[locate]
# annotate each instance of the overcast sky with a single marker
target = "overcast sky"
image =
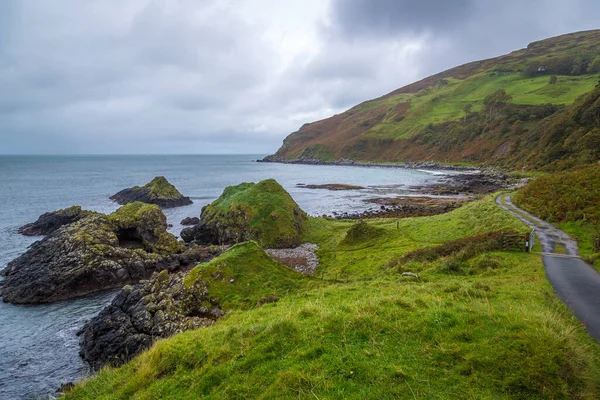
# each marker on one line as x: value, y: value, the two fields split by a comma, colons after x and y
x: 233, y: 76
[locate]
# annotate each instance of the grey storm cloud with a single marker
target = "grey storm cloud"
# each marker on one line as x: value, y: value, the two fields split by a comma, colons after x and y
x: 385, y: 17
x: 182, y: 76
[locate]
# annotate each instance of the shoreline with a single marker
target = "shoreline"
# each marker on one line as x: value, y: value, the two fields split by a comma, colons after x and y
x: 345, y: 162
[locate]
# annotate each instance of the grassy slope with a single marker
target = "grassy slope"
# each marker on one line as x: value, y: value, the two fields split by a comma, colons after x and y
x: 369, y: 257
x: 246, y: 274
x: 447, y: 102
x: 498, y: 335
x: 377, y: 130
x: 493, y: 329
x: 570, y: 200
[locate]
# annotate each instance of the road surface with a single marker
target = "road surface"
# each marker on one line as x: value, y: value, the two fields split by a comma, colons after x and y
x: 575, y: 282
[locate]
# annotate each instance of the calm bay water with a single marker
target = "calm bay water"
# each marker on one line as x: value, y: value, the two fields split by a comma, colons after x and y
x: 38, y: 346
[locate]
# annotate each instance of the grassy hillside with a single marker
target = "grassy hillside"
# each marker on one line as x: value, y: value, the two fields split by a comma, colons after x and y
x: 475, y: 324
x: 570, y: 200
x: 243, y: 276
x: 555, y: 71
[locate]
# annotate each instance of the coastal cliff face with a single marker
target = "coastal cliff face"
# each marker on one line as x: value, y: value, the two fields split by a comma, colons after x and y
x: 533, y: 108
x: 94, y: 253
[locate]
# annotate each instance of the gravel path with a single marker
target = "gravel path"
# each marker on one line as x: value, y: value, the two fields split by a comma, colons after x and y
x: 575, y: 282
x: 302, y: 258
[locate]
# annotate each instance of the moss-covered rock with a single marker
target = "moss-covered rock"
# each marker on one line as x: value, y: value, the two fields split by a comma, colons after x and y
x: 94, y: 253
x: 261, y: 211
x: 158, y: 191
x: 242, y: 277
x: 147, y: 223
x: 51, y: 221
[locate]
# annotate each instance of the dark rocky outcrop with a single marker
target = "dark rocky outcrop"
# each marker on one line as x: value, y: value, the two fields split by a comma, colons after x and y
x: 95, y: 253
x: 483, y: 182
x: 202, y: 234
x: 158, y: 191
x: 190, y: 221
x: 51, y: 221
x: 140, y: 314
x: 261, y: 211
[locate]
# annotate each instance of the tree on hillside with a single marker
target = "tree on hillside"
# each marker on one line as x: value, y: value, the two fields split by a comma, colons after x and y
x: 493, y: 103
x: 578, y: 66
x: 467, y: 110
x: 594, y: 66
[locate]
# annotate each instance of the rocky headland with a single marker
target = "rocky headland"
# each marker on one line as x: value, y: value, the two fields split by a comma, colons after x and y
x: 51, y: 221
x: 95, y: 253
x: 261, y: 211
x: 158, y: 191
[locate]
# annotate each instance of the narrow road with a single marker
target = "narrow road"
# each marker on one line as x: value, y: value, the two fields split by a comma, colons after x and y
x: 575, y: 282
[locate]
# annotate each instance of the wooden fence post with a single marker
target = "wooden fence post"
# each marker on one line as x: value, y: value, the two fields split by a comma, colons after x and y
x: 597, y: 245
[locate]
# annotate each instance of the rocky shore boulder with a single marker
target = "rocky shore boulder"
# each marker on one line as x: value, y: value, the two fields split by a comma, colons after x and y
x: 190, y: 221
x: 95, y: 253
x: 244, y: 276
x: 261, y: 211
x: 51, y: 221
x: 158, y: 191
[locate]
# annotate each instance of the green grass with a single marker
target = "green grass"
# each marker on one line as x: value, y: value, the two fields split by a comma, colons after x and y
x: 243, y: 275
x: 499, y: 334
x: 483, y: 326
x: 341, y: 260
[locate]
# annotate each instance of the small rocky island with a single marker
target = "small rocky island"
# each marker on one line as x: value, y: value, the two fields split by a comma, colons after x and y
x: 158, y: 191
x: 94, y: 253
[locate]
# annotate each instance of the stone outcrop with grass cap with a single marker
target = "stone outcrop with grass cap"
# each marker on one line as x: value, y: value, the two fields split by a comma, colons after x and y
x: 261, y: 211
x: 158, y: 191
x: 95, y: 253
